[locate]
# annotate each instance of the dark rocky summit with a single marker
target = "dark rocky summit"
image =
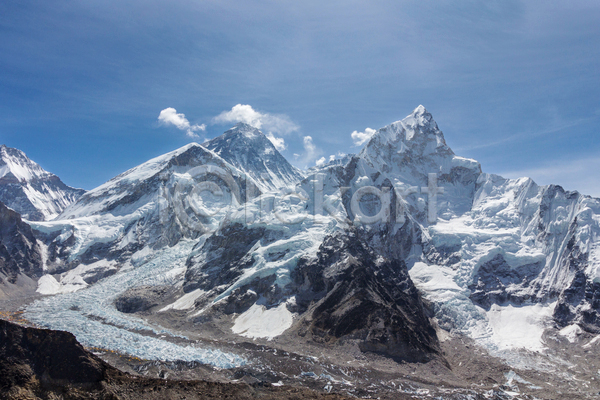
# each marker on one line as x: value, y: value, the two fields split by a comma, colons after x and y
x: 351, y: 293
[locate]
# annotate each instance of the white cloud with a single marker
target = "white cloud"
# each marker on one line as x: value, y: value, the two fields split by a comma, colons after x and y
x: 320, y: 161
x: 360, y: 138
x: 311, y: 151
x: 279, y: 124
x: 331, y: 157
x: 169, y: 116
x: 272, y: 124
x: 240, y: 113
x: 278, y: 142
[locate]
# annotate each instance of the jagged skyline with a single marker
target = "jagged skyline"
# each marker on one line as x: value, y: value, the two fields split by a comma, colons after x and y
x: 513, y: 84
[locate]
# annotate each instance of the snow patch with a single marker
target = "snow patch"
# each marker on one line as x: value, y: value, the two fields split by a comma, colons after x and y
x: 185, y: 302
x: 261, y: 322
x: 48, y: 285
x: 519, y: 327
x: 571, y: 332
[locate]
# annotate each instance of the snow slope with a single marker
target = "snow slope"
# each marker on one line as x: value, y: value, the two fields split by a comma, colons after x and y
x: 249, y: 150
x: 30, y: 190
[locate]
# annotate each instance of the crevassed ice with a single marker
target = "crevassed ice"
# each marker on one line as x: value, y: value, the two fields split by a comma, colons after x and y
x: 91, y: 316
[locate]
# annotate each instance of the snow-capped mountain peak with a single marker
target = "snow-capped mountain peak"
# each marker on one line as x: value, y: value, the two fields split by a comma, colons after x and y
x: 418, y: 132
x: 412, y: 148
x: 142, y: 182
x: 249, y: 150
x: 14, y: 164
x: 30, y: 190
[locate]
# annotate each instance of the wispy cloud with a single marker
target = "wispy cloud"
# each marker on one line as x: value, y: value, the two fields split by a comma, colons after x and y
x: 311, y: 152
x: 579, y: 174
x: 278, y: 142
x: 517, y: 137
x: 360, y: 138
x: 169, y: 116
x: 271, y: 124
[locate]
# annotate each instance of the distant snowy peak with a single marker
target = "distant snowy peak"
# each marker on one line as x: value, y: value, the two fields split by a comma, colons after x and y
x: 30, y: 190
x: 412, y: 148
x: 249, y: 150
x: 340, y: 160
x: 142, y: 184
x: 16, y: 166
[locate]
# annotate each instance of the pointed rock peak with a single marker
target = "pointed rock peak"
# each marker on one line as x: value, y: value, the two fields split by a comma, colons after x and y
x: 416, y: 135
x: 420, y: 110
x: 420, y: 117
x: 252, y: 152
x: 242, y: 128
x: 417, y: 129
x: 15, y: 162
x: 240, y: 137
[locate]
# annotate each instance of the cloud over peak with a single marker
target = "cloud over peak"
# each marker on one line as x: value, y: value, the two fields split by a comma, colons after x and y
x: 360, y: 138
x: 169, y: 116
x: 272, y: 124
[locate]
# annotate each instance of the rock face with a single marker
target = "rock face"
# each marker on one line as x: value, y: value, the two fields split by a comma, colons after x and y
x: 249, y: 150
x: 349, y: 292
x: 141, y: 298
x: 222, y: 258
x: 51, y: 357
x: 19, y: 250
x: 27, y: 188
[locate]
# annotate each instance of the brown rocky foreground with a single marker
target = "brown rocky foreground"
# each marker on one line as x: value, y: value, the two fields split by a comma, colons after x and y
x: 45, y: 364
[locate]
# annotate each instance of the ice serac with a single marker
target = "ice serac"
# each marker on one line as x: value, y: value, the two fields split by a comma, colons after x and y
x: 33, y: 192
x: 249, y: 150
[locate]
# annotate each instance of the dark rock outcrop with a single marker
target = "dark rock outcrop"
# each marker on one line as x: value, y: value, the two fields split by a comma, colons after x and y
x: 141, y: 298
x: 19, y: 251
x: 496, y: 282
x: 222, y: 258
x: 349, y: 292
x: 30, y: 356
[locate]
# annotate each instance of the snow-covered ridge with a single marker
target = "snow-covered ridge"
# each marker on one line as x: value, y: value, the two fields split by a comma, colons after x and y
x: 19, y: 166
x: 501, y: 250
x: 30, y: 190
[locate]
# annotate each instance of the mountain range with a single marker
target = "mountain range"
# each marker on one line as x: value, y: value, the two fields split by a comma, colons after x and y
x: 385, y: 253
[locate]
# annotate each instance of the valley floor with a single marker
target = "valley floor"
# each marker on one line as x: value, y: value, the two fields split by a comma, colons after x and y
x: 286, y: 367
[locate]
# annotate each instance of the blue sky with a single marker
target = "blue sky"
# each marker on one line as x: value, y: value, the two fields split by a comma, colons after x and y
x: 513, y: 84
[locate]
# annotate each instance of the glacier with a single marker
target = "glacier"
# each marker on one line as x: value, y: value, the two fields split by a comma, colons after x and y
x: 92, y: 317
